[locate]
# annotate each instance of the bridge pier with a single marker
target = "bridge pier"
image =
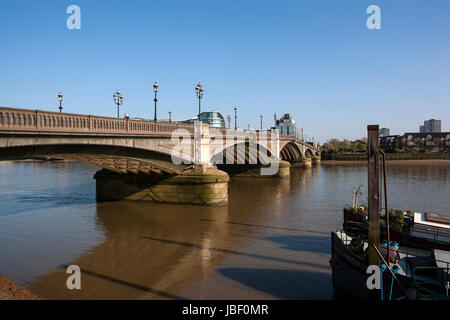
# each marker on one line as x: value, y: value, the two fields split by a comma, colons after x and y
x: 200, y: 186
x: 302, y: 163
x: 315, y: 160
x: 255, y: 170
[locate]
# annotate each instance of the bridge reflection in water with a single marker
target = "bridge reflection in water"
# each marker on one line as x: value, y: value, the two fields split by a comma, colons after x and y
x: 164, y: 251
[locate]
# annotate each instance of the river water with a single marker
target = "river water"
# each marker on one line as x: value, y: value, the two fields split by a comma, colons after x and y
x: 271, y: 242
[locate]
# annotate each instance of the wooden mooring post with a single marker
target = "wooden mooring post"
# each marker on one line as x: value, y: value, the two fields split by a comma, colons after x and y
x: 373, y: 199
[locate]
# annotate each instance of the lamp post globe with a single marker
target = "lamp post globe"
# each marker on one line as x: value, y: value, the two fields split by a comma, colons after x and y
x: 118, y: 100
x: 60, y: 97
x: 199, y: 91
x: 155, y: 90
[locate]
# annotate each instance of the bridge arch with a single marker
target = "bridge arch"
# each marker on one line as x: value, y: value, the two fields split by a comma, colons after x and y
x: 241, y: 153
x: 118, y: 159
x: 309, y: 153
x: 291, y: 152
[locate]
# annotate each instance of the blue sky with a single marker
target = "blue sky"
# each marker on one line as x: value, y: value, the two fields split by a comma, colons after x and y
x: 313, y: 59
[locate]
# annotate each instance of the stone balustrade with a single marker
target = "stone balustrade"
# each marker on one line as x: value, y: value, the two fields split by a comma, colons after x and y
x: 12, y: 119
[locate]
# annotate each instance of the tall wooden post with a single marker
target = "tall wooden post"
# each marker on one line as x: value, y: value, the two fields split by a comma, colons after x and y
x: 373, y: 199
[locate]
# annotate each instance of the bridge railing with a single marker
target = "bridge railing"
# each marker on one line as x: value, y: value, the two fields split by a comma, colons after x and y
x: 242, y: 132
x: 12, y: 119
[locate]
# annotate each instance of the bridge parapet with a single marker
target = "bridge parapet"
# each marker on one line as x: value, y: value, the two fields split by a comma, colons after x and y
x: 12, y: 119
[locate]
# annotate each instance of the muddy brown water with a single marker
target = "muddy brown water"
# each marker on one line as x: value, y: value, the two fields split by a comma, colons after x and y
x: 272, y: 241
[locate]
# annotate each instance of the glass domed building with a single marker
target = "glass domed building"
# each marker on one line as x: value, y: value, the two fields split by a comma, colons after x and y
x: 213, y: 118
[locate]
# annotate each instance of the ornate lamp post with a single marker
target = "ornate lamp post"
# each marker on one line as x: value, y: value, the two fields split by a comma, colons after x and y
x: 275, y: 118
x: 170, y: 116
x: 155, y: 90
x: 229, y: 121
x: 118, y: 99
x: 60, y: 96
x: 261, y: 116
x: 235, y: 118
x: 199, y: 90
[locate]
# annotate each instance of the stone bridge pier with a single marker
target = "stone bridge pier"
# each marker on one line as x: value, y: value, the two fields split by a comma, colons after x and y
x: 199, y: 185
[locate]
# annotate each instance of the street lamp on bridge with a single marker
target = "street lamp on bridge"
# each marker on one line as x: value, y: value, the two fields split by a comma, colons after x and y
x: 170, y: 116
x: 229, y: 121
x: 261, y: 116
x: 118, y: 99
x: 235, y: 118
x: 275, y: 118
x: 60, y: 96
x: 155, y: 90
x: 199, y: 90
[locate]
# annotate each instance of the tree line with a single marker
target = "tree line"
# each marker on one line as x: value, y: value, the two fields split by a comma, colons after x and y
x: 345, y: 145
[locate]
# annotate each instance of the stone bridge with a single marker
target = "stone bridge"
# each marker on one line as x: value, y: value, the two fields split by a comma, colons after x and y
x: 149, y: 158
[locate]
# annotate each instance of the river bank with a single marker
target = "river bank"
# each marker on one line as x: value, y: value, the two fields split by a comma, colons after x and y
x: 9, y: 290
x: 362, y: 156
x: 433, y: 162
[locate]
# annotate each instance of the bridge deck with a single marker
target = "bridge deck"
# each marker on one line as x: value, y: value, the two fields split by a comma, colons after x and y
x: 14, y: 120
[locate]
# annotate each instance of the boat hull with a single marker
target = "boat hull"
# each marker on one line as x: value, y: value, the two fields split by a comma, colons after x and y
x: 349, y: 273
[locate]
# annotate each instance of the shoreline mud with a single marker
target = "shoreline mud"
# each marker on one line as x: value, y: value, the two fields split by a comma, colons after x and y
x: 438, y: 162
x: 9, y: 290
